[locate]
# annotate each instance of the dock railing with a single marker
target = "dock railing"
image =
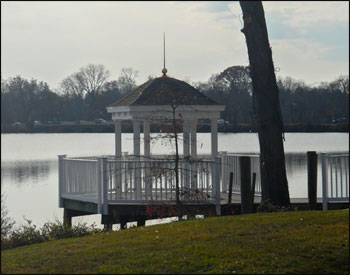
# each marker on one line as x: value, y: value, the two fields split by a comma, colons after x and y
x: 153, y: 180
x: 138, y: 180
x: 78, y: 178
x: 335, y: 178
x: 230, y: 164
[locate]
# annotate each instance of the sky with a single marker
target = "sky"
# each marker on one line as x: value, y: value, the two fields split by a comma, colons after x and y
x: 50, y: 40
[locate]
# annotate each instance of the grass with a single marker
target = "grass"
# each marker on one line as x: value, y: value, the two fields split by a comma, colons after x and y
x: 288, y: 242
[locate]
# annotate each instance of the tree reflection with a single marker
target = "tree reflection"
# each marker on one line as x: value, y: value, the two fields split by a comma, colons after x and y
x: 23, y: 172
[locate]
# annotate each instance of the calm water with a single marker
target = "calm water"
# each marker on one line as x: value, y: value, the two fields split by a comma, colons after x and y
x: 29, y: 175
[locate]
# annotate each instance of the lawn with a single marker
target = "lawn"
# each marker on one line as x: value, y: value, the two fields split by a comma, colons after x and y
x: 287, y: 242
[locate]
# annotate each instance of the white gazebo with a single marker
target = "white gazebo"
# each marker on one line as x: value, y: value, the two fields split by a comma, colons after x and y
x: 165, y: 98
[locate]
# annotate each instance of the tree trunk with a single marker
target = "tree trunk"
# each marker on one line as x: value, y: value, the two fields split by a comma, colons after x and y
x: 266, y: 105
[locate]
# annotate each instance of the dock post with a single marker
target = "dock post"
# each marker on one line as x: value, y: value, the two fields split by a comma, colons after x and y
x: 186, y: 155
x: 224, y: 171
x: 147, y: 156
x: 123, y: 223
x: 141, y: 221
x: 246, y: 205
x: 137, y: 172
x: 107, y: 222
x: 67, y: 217
x: 253, y: 190
x: 61, y: 178
x: 230, y: 188
x: 312, y: 179
x: 216, y: 184
x: 118, y: 156
x: 324, y: 182
x: 102, y: 187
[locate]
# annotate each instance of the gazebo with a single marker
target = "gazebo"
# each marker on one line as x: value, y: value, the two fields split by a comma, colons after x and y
x: 124, y: 189
x: 165, y: 98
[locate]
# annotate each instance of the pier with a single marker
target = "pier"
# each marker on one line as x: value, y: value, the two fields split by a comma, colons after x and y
x: 125, y: 190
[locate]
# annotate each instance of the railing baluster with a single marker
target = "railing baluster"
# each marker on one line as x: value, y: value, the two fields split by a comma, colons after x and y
x: 161, y: 182
x: 341, y: 176
x: 346, y: 176
x: 207, y: 178
x: 126, y: 179
x: 156, y: 179
x: 336, y: 177
x: 166, y: 180
x: 88, y: 179
x: 110, y: 169
x: 72, y: 177
x: 331, y: 176
x: 324, y: 181
x: 130, y: 168
x: 81, y: 179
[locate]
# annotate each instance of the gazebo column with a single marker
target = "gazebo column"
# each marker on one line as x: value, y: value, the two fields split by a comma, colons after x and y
x: 186, y: 139
x: 137, y: 166
x: 118, y: 154
x: 214, y: 137
x: 118, y: 138
x: 186, y: 154
x: 194, y: 155
x: 214, y: 153
x: 147, y: 155
x: 147, y: 138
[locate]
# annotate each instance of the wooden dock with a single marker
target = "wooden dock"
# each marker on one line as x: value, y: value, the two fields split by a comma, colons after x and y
x: 122, y: 213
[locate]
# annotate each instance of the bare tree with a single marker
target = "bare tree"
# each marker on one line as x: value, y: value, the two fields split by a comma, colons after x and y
x: 266, y: 105
x: 127, y: 80
x: 88, y: 80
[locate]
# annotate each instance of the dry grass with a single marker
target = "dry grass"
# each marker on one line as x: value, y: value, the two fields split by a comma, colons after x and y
x: 291, y: 242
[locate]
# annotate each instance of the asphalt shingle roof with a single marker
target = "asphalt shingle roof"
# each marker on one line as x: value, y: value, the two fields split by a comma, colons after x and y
x: 164, y: 91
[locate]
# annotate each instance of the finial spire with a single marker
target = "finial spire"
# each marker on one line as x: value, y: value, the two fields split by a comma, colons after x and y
x: 164, y: 71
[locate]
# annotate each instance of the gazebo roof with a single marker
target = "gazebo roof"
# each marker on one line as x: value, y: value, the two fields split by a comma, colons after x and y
x: 164, y: 90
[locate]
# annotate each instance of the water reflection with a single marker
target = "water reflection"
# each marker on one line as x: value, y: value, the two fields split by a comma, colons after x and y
x: 35, y: 184
x: 34, y: 172
x: 295, y: 163
x: 27, y: 172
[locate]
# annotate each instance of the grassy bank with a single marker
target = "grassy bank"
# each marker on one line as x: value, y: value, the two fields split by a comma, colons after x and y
x: 294, y: 242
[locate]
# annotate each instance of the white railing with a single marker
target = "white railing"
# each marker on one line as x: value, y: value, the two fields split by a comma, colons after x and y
x: 78, y: 177
x: 138, y: 180
x: 154, y: 180
x: 230, y: 164
x: 335, y: 178
x: 107, y: 180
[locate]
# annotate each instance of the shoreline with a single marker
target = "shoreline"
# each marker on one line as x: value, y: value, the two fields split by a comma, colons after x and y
x: 127, y: 128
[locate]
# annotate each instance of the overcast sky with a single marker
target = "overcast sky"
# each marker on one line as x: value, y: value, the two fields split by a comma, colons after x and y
x: 48, y: 41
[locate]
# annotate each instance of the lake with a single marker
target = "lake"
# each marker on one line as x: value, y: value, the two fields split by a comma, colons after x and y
x: 29, y: 175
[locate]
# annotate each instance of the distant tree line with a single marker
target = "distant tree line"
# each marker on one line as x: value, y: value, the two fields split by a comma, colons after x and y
x: 300, y: 103
x: 85, y: 94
